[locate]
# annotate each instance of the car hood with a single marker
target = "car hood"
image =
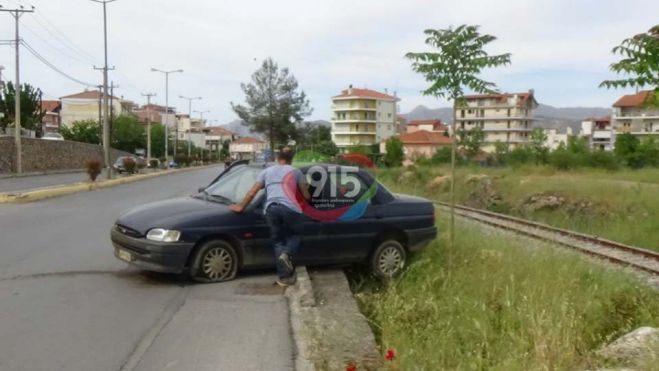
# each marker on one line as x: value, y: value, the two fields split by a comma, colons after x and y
x: 177, y: 213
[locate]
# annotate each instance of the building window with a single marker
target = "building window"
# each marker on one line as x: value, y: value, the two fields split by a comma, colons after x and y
x: 379, y: 103
x: 389, y: 115
x: 379, y: 114
x: 462, y: 113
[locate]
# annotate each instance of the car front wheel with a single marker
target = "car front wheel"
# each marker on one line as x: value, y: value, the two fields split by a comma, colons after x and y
x: 388, y: 259
x: 214, y: 261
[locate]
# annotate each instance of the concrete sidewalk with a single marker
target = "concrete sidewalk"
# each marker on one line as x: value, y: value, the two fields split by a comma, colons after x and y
x: 28, y: 182
x: 236, y: 325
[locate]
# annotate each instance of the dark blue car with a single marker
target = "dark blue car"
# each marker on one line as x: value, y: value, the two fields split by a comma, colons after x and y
x: 200, y: 235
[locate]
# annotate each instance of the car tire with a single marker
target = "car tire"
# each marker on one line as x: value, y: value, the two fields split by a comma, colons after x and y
x: 214, y: 261
x: 388, y: 259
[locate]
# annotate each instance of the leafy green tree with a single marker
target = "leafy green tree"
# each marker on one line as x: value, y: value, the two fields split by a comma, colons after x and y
x: 157, y: 140
x: 31, y: 113
x: 441, y: 156
x: 501, y: 150
x: 626, y: 148
x: 520, y: 156
x: 639, y: 64
x: 273, y: 103
x: 312, y: 134
x: 649, y: 152
x: 86, y: 131
x: 472, y: 140
x: 394, y: 152
x: 454, y: 67
x: 538, y: 145
x: 128, y: 134
x: 327, y: 148
x: 578, y: 145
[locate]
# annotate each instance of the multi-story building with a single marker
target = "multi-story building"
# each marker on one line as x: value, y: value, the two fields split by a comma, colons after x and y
x: 555, y: 138
x: 51, y: 115
x: 87, y: 105
x: 427, y: 125
x: 363, y: 117
x: 247, y: 148
x: 632, y: 115
x: 504, y: 117
x: 599, y: 133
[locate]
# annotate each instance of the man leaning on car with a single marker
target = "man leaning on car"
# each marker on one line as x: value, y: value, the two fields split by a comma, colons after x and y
x: 283, y: 215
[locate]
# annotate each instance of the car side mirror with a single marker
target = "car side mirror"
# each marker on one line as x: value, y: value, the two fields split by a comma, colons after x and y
x: 201, y: 189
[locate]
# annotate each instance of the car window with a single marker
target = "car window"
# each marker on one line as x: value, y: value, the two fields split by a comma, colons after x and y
x: 336, y: 187
x: 235, y: 184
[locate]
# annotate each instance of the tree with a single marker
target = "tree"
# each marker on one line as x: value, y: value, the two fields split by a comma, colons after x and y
x: 455, y: 67
x: 626, y: 145
x: 31, y: 112
x: 224, y: 152
x: 273, y: 103
x: 128, y: 134
x: 327, y: 148
x: 86, y: 131
x: 639, y: 64
x: 538, y: 146
x: 394, y: 152
x: 311, y: 134
x: 472, y: 140
x: 501, y: 150
x: 157, y: 140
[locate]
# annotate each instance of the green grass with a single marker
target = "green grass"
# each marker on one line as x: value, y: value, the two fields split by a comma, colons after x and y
x: 621, y: 205
x: 508, y: 306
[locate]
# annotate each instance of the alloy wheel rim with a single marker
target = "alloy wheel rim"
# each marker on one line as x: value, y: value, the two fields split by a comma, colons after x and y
x: 391, y: 260
x: 217, y: 263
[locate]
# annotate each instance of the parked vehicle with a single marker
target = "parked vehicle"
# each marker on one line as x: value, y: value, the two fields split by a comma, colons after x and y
x: 52, y: 136
x: 199, y: 234
x: 119, y: 164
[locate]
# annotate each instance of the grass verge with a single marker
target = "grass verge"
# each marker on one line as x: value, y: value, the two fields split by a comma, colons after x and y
x: 508, y: 306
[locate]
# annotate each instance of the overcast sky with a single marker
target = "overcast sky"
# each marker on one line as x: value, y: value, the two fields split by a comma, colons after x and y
x: 559, y: 48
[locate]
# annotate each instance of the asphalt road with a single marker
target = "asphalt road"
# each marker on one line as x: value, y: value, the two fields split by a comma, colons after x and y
x: 67, y: 304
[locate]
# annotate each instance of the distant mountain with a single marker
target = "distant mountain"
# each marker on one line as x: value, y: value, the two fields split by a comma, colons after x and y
x: 546, y: 116
x: 239, y: 128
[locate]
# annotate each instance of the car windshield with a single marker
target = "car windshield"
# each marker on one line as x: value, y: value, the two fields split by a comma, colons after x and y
x: 233, y: 186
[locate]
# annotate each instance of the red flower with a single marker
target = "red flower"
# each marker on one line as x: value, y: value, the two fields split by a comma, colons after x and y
x: 351, y: 367
x: 391, y: 354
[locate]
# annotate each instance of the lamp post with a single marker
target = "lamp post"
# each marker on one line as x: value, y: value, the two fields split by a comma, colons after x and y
x: 190, y: 99
x: 166, y: 73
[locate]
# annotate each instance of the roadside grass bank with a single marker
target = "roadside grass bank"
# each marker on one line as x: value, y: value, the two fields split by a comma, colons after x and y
x: 509, y: 305
x: 622, y: 205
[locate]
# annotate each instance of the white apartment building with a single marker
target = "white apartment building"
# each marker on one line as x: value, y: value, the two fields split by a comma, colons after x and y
x: 631, y: 115
x: 599, y: 132
x: 555, y: 139
x: 363, y: 117
x: 504, y: 117
x: 87, y: 105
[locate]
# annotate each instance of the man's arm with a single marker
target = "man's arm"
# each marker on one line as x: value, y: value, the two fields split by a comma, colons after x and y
x: 304, y: 188
x: 238, y: 208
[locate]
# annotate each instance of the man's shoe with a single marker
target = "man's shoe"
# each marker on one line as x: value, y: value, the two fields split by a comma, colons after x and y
x: 286, y: 281
x: 286, y: 261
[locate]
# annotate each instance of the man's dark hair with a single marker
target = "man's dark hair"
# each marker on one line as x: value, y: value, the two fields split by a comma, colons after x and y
x: 286, y: 154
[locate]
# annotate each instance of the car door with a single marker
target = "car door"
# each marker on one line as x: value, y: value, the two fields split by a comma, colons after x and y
x: 352, y: 240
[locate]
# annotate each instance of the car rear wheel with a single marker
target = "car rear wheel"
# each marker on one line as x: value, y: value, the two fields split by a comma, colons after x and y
x: 388, y: 259
x: 214, y: 261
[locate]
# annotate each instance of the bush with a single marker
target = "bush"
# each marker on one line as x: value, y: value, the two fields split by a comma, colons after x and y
x: 129, y: 165
x: 93, y: 168
x: 603, y: 159
x: 153, y: 163
x: 181, y: 159
x: 141, y: 165
x: 519, y: 156
x: 442, y: 156
x: 564, y: 159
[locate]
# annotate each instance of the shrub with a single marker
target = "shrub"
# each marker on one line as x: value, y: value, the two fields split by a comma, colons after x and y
x: 153, y: 163
x: 129, y: 165
x: 141, y: 164
x: 93, y: 168
x: 394, y: 152
x: 603, y: 159
x: 442, y: 156
x: 181, y: 159
x: 564, y: 159
x: 519, y: 156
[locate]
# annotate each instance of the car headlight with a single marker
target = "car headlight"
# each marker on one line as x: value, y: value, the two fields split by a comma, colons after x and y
x: 163, y: 235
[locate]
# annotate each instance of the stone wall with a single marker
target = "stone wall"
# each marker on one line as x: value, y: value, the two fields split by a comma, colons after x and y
x: 48, y: 155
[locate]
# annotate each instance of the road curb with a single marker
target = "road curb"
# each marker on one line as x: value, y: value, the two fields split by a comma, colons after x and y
x: 56, y: 191
x: 329, y: 331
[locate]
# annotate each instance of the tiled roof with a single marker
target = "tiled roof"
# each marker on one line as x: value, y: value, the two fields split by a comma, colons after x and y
x: 50, y: 105
x: 599, y: 119
x: 424, y: 137
x: 364, y: 93
x: 632, y: 100
x: 248, y: 140
x: 87, y: 94
x: 218, y: 130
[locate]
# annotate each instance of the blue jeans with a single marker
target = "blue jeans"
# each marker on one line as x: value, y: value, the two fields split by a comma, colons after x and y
x: 285, y: 230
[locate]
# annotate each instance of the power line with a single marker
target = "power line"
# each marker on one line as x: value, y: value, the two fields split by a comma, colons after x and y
x: 59, y: 50
x: 62, y: 38
x: 51, y: 66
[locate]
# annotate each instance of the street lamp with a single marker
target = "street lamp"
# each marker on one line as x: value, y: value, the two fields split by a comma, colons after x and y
x: 166, y: 73
x: 190, y: 99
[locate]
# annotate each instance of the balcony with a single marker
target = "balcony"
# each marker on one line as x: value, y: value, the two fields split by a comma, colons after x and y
x: 354, y: 119
x: 353, y: 107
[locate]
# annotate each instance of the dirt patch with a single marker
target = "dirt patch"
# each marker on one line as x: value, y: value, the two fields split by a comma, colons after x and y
x: 439, y: 183
x: 558, y: 202
x: 484, y: 195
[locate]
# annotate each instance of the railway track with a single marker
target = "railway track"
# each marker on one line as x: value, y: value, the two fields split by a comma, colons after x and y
x: 615, y: 252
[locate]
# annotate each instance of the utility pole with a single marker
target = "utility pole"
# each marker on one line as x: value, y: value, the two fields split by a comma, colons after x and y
x: 190, y: 99
x: 201, y: 115
x: 106, y: 114
x: 17, y: 13
x: 148, y: 125
x: 166, y: 73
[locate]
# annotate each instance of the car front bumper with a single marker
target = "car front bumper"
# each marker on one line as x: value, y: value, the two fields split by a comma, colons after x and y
x: 419, y: 238
x: 168, y: 257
